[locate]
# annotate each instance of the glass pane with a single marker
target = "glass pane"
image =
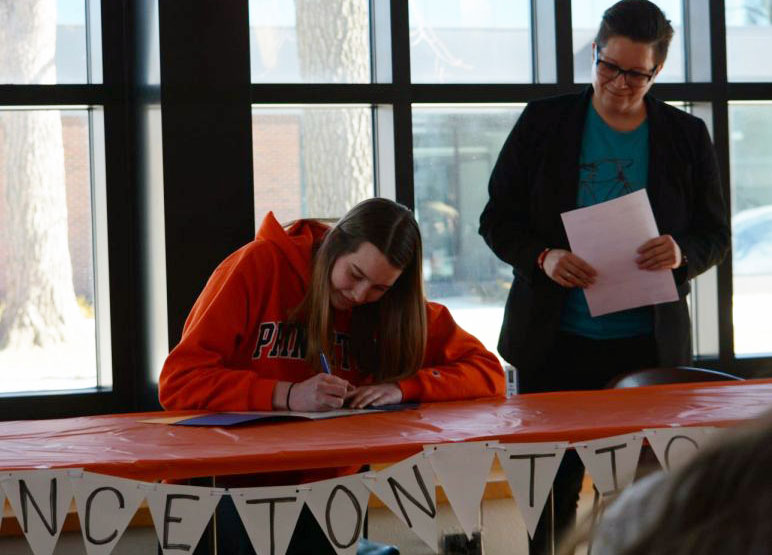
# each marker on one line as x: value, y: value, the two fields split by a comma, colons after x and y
x: 455, y: 149
x: 748, y: 40
x: 481, y: 41
x: 45, y: 45
x: 47, y: 324
x: 586, y: 16
x: 308, y: 41
x: 750, y: 150
x: 311, y: 161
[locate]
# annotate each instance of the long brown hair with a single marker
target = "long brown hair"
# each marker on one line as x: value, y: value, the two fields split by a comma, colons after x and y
x: 388, y: 337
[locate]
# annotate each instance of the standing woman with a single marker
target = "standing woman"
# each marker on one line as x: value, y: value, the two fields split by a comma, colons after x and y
x: 255, y: 337
x: 578, y: 150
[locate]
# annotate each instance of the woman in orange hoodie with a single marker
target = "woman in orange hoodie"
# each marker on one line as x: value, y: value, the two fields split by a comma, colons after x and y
x: 256, y: 336
x: 354, y: 292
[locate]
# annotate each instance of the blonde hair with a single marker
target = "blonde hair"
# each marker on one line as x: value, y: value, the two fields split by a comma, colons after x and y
x: 388, y: 337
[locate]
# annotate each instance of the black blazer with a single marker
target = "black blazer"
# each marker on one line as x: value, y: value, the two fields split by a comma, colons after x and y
x: 536, y: 178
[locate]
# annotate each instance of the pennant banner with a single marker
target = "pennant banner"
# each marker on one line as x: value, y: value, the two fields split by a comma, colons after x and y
x: 40, y: 499
x: 530, y: 470
x: 611, y: 461
x: 269, y: 515
x: 180, y: 514
x: 407, y: 488
x: 674, y: 447
x: 340, y: 505
x: 462, y: 469
x: 106, y: 505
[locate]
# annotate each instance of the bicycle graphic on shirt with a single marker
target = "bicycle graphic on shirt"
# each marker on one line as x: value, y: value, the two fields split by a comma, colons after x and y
x: 605, y: 177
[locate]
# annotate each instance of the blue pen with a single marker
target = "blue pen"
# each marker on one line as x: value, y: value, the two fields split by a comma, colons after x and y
x: 325, y: 365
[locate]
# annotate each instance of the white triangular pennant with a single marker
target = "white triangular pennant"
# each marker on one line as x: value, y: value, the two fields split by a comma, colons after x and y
x: 407, y: 488
x: 530, y: 470
x: 462, y: 469
x: 106, y: 505
x: 269, y: 515
x: 40, y: 499
x: 340, y: 505
x: 180, y: 514
x: 611, y: 461
x: 676, y: 446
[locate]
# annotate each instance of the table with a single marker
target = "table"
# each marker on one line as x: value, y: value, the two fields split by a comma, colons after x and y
x: 121, y: 445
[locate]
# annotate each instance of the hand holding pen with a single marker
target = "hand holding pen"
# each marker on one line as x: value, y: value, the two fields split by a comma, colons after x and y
x: 320, y: 392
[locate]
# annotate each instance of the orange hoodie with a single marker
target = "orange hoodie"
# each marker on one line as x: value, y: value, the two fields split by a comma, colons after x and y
x: 238, y: 340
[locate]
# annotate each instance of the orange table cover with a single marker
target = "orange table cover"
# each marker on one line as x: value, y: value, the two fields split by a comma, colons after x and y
x: 120, y: 445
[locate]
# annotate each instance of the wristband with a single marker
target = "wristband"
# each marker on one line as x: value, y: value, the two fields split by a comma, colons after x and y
x: 541, y: 257
x: 289, y: 389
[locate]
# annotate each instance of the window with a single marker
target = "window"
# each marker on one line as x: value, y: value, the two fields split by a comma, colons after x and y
x: 309, y: 42
x: 54, y: 306
x: 454, y: 150
x: 470, y: 42
x: 751, y: 163
x: 311, y: 160
x: 430, y: 136
x: 748, y: 39
x: 410, y: 100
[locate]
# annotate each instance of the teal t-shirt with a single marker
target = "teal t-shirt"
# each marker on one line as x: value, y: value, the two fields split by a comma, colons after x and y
x: 612, y: 164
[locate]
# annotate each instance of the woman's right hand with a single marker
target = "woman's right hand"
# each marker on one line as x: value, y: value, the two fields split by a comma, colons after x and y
x: 566, y: 269
x: 319, y: 393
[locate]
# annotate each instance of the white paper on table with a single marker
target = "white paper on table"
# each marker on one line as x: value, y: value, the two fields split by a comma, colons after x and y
x: 269, y: 515
x: 607, y: 236
x: 40, y: 499
x: 462, y: 469
x: 675, y: 447
x: 106, y: 505
x: 407, y: 488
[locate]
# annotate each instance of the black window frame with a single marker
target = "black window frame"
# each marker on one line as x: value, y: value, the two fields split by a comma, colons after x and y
x: 206, y: 97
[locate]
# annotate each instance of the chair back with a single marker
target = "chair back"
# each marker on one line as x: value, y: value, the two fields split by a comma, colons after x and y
x: 673, y: 374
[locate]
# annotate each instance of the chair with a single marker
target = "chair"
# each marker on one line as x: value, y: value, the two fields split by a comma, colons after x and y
x: 668, y: 375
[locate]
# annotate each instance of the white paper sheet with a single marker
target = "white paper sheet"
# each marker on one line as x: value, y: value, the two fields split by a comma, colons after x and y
x: 106, y: 505
x: 44, y: 496
x: 530, y: 470
x: 462, y: 469
x: 607, y: 236
x: 611, y: 461
x: 340, y: 506
x: 674, y: 447
x: 407, y: 488
x: 180, y: 514
x: 269, y: 515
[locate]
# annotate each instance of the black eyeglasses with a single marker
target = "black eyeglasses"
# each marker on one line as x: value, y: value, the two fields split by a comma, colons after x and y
x: 633, y: 78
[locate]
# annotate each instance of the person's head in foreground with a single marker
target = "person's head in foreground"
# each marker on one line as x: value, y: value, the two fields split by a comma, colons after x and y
x: 720, y: 502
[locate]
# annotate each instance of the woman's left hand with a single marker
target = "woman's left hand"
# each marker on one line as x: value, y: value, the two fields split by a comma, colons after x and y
x: 659, y: 253
x: 374, y: 395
